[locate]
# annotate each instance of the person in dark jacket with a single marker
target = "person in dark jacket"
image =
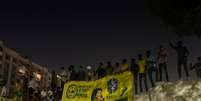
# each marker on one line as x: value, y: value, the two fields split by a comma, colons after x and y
x: 135, y: 70
x: 100, y: 71
x: 182, y: 57
x: 109, y: 68
x: 73, y: 76
x: 82, y: 74
x: 151, y: 67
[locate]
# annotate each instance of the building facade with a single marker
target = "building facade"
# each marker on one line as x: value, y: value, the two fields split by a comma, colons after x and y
x: 14, y: 67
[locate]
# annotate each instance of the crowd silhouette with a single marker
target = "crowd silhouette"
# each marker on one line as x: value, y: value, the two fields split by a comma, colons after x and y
x: 146, y: 68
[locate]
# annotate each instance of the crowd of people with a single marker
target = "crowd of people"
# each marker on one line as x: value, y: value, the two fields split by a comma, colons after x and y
x: 146, y: 67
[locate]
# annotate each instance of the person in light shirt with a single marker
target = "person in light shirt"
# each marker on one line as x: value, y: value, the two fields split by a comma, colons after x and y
x: 44, y: 95
x: 4, y: 90
x: 162, y: 60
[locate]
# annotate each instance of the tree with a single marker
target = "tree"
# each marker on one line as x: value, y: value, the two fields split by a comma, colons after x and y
x: 184, y: 16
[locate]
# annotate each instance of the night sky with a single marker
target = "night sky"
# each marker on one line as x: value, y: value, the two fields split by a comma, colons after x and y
x: 85, y: 32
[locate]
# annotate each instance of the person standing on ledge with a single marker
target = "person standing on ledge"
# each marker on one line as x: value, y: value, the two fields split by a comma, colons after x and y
x: 142, y: 72
x: 162, y: 60
x: 135, y: 70
x: 151, y: 67
x: 182, y: 58
x: 109, y: 68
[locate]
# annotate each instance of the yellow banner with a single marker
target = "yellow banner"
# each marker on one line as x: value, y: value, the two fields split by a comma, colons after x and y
x: 111, y: 88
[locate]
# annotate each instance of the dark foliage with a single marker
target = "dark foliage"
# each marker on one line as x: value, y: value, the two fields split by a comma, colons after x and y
x: 182, y: 15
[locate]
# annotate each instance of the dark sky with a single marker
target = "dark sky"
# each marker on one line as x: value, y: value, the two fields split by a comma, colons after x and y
x: 85, y: 32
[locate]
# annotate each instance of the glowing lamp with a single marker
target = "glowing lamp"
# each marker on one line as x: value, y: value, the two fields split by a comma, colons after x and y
x: 89, y: 67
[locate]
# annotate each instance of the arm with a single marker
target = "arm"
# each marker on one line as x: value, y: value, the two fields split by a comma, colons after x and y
x: 192, y: 66
x: 187, y: 52
x: 172, y: 46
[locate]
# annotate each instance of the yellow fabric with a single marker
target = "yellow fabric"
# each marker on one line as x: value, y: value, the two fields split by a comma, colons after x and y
x: 141, y: 64
x: 84, y: 91
x: 5, y: 99
x: 124, y: 67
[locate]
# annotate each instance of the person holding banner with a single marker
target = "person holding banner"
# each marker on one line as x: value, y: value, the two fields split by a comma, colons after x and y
x: 142, y: 72
x: 124, y: 66
x: 82, y: 74
x: 117, y: 68
x: 109, y: 68
x: 100, y: 71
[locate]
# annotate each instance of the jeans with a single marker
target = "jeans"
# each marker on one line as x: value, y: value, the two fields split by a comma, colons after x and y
x: 150, y: 73
x: 135, y: 82
x: 143, y: 76
x: 163, y: 67
x: 179, y: 66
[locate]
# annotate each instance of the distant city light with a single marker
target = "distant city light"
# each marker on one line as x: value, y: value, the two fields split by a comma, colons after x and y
x: 37, y: 76
x: 59, y: 77
x: 22, y: 70
x: 89, y: 67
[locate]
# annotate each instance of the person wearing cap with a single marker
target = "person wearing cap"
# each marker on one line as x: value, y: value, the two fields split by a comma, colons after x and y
x: 182, y: 58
